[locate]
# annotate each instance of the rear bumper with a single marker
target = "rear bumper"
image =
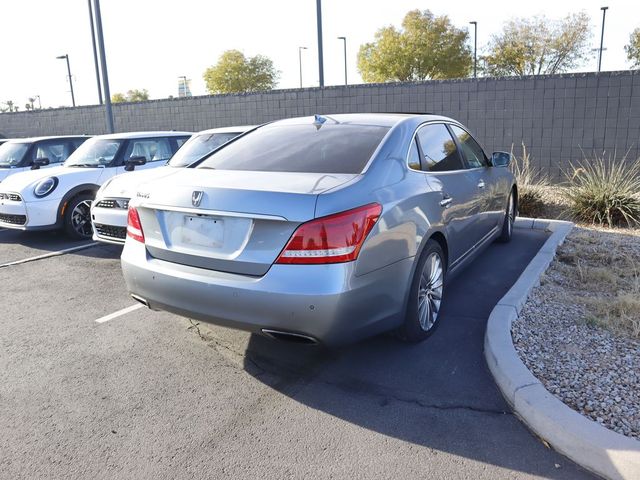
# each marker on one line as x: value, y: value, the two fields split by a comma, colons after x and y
x: 325, y: 302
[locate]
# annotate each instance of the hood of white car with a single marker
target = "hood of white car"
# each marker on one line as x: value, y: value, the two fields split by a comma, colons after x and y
x: 4, y: 173
x: 68, y: 177
x: 126, y: 184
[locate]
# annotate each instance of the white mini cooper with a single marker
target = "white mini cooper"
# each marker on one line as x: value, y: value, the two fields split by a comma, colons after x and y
x: 24, y: 154
x: 60, y: 197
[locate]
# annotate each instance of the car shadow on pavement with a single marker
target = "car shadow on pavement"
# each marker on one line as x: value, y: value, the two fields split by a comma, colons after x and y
x: 101, y: 250
x: 437, y: 394
x: 47, y: 240
x: 16, y: 245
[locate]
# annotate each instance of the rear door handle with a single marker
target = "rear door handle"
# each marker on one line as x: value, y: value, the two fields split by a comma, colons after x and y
x: 481, y: 184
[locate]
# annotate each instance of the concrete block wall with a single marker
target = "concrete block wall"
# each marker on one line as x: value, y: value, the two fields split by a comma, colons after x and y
x: 556, y: 116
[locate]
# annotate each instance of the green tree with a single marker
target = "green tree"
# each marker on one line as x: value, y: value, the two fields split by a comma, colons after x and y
x: 633, y: 48
x: 236, y: 73
x: 138, y: 95
x: 131, y: 96
x: 539, y: 46
x: 426, y: 47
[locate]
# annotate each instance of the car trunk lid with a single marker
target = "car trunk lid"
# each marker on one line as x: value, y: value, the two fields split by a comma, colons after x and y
x: 230, y: 221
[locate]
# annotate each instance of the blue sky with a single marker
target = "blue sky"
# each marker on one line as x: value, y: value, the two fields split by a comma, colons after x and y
x: 151, y: 43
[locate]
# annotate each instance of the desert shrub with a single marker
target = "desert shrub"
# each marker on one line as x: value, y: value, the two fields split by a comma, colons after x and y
x: 532, y: 185
x: 605, y: 191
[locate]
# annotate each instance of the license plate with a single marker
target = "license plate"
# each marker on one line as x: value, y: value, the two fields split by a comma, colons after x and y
x: 203, y: 231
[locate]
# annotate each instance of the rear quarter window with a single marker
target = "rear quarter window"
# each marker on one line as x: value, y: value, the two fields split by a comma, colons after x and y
x: 330, y: 148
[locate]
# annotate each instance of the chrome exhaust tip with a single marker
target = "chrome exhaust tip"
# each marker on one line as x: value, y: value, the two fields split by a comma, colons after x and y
x: 140, y: 299
x: 289, y: 337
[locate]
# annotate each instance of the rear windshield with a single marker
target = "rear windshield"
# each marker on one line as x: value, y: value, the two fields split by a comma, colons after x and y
x: 330, y: 148
x: 198, y: 146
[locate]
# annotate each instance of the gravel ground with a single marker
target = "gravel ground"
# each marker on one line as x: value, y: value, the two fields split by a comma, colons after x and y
x: 563, y: 337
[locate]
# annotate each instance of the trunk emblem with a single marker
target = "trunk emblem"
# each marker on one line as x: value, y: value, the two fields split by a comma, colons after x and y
x: 196, y: 198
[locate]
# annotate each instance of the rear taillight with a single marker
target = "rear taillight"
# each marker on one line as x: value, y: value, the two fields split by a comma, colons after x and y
x: 333, y: 239
x: 134, y: 228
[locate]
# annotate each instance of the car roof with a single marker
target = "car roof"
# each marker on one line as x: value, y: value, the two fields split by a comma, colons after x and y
x: 368, y: 119
x: 238, y: 129
x: 130, y: 135
x: 38, y: 139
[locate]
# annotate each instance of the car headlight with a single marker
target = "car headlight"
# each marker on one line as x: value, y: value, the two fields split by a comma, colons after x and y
x: 45, y: 187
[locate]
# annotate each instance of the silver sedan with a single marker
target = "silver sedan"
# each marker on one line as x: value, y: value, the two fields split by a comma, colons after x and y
x: 323, y: 229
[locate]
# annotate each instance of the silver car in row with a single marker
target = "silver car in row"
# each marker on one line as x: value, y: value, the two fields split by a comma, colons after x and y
x: 323, y: 229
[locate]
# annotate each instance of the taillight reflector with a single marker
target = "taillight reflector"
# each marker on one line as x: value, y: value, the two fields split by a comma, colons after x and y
x: 134, y: 227
x: 333, y: 239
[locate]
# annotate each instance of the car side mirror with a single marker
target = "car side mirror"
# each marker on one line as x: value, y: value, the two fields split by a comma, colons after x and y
x: 39, y: 162
x: 500, y: 159
x: 134, y: 162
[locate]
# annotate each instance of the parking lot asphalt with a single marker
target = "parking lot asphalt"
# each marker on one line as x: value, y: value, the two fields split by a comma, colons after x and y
x: 151, y: 395
x: 19, y: 246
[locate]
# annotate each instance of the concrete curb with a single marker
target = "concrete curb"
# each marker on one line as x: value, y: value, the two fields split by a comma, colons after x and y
x: 587, y: 443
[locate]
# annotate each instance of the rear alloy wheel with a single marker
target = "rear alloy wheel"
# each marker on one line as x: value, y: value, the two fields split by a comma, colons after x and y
x: 427, y: 288
x: 509, y: 218
x: 77, y: 217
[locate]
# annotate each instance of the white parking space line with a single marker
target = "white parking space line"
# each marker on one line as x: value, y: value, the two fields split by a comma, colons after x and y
x: 119, y: 313
x: 50, y: 254
x: 3, y: 229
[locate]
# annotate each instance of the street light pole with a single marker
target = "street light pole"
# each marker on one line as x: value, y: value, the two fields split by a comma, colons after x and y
x: 66, y: 57
x: 103, y: 65
x: 344, y: 39
x: 300, y: 62
x: 320, y: 56
x: 475, y: 48
x: 604, y: 13
x: 95, y: 52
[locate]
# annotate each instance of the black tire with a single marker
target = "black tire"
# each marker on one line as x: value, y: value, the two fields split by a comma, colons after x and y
x: 77, y: 217
x: 509, y: 218
x: 413, y: 329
